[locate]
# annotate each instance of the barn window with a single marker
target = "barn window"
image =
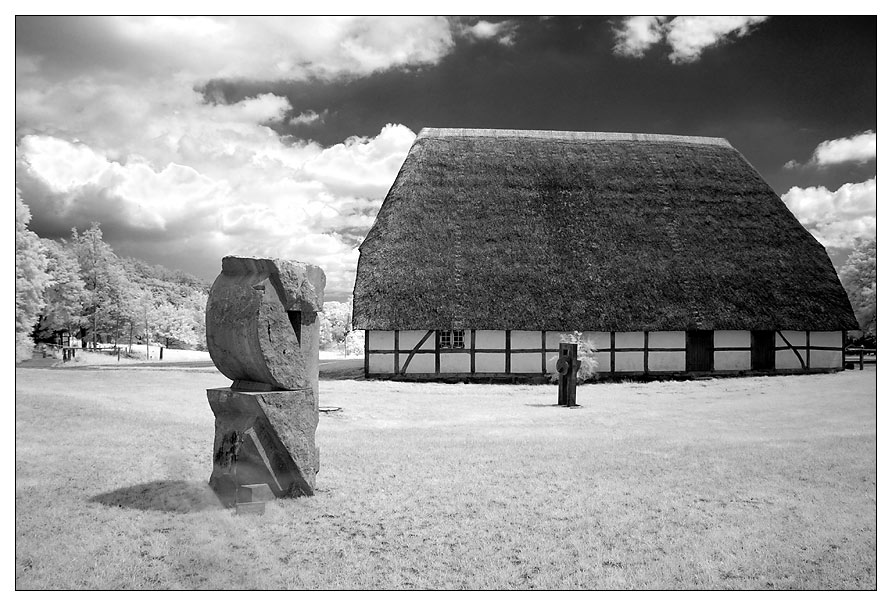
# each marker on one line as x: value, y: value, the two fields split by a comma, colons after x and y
x: 452, y: 339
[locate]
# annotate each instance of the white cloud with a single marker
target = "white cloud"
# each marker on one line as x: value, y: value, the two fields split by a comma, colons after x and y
x: 228, y: 188
x: 858, y: 148
x: 637, y: 34
x: 112, y: 127
x: 687, y: 36
x: 306, y: 117
x: 202, y: 48
x: 503, y: 31
x: 836, y: 218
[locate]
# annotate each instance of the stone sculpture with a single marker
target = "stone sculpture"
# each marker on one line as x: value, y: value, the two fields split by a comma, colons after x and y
x: 263, y: 333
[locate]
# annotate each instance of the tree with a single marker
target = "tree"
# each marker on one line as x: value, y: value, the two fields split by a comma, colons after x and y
x: 335, y: 323
x: 65, y: 293
x: 105, y: 280
x: 30, y: 279
x: 859, y: 277
x: 171, y: 322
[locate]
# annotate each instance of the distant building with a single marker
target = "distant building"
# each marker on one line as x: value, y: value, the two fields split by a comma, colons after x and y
x: 671, y: 253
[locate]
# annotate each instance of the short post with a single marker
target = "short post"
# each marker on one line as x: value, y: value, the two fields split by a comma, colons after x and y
x: 861, y: 359
x: 567, y: 366
x: 161, y: 353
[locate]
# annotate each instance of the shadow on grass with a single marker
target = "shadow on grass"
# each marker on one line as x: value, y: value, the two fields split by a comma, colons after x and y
x: 162, y: 495
x: 341, y: 370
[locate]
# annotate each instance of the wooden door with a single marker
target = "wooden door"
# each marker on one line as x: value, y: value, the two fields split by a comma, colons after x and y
x: 763, y: 350
x: 699, y: 348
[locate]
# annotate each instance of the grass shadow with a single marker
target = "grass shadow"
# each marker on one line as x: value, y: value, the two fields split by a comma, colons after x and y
x: 341, y: 370
x: 162, y: 495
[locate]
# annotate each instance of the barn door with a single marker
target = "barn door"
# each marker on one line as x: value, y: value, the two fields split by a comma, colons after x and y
x: 763, y: 350
x: 699, y: 350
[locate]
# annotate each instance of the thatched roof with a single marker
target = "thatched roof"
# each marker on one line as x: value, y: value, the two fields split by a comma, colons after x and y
x: 549, y: 230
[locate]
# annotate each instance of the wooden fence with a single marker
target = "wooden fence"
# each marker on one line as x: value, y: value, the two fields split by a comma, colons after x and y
x: 861, y: 355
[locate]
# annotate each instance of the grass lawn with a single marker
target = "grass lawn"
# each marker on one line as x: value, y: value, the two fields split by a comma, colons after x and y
x: 749, y: 483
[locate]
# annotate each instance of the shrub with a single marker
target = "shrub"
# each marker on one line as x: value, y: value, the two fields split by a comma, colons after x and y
x: 24, y: 347
x: 585, y: 353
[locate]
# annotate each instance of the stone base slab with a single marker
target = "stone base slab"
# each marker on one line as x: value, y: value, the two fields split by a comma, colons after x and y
x: 264, y: 438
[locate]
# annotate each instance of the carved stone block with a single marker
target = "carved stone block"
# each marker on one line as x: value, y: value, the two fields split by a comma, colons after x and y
x: 263, y: 333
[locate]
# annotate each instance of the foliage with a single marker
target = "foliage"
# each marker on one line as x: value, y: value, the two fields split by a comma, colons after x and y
x: 859, y: 277
x: 585, y: 353
x: 91, y: 292
x: 335, y: 323
x: 170, y: 305
x: 109, y: 290
x: 30, y: 279
x: 355, y: 343
x: 65, y: 294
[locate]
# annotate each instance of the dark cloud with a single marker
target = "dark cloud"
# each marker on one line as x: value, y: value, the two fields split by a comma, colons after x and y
x: 775, y: 94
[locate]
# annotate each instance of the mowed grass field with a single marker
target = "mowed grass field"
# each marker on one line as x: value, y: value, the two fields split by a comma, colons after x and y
x: 750, y: 483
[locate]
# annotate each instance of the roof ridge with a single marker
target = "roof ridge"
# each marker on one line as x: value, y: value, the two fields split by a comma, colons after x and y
x: 435, y: 132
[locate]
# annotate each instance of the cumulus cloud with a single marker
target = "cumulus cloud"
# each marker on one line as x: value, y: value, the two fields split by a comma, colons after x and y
x: 297, y: 201
x: 111, y: 128
x: 860, y: 148
x: 259, y: 48
x: 688, y: 37
x: 836, y: 218
x: 637, y: 34
x: 307, y: 117
x: 503, y: 31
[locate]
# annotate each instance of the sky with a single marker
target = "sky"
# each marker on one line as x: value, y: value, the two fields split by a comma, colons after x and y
x: 191, y: 138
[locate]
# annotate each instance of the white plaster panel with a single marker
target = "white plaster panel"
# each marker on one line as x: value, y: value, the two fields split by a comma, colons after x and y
x: 665, y: 338
x: 628, y: 361
x: 731, y: 338
x: 826, y: 339
x: 410, y: 338
x: 489, y: 339
x: 455, y: 362
x: 603, y: 358
x: 526, y: 339
x: 381, y: 363
x: 826, y: 359
x: 600, y: 339
x: 551, y: 362
x: 381, y: 339
x: 630, y: 339
x: 664, y: 360
x: 552, y: 339
x: 489, y: 362
x: 785, y: 359
x: 526, y: 362
x: 732, y: 360
x: 795, y: 337
x: 421, y: 362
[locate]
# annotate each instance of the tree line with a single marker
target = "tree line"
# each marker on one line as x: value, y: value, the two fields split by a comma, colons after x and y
x: 79, y: 287
x: 859, y: 277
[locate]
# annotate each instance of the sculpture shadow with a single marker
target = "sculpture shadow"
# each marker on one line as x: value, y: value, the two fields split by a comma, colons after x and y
x: 341, y: 370
x: 162, y: 495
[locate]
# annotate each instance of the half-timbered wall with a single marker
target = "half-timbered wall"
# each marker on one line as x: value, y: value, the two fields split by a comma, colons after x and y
x: 534, y: 352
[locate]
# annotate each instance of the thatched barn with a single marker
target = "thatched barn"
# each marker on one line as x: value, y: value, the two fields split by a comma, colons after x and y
x: 671, y: 253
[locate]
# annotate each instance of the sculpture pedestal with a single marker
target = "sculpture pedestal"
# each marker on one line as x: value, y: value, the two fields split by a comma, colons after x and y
x: 264, y: 437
